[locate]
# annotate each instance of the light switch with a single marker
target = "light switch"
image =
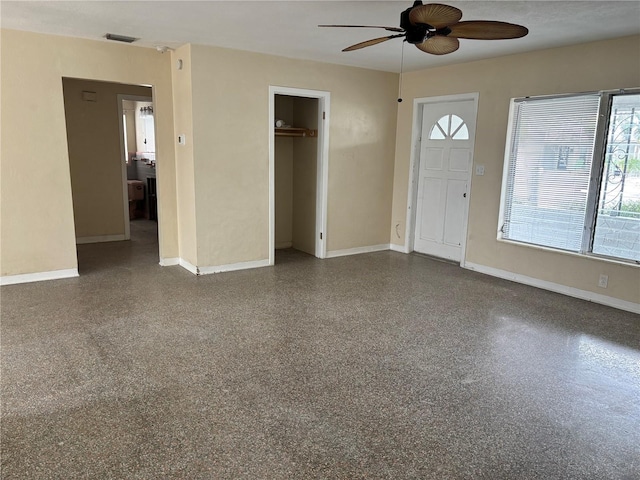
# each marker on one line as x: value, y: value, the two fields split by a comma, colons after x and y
x: 479, y: 169
x: 182, y: 139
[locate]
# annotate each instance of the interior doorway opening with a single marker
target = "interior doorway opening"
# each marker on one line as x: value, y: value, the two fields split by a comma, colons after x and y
x: 112, y: 178
x: 138, y: 147
x: 298, y: 171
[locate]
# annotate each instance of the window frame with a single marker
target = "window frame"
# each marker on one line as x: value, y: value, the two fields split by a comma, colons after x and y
x: 595, y: 178
x: 451, y: 133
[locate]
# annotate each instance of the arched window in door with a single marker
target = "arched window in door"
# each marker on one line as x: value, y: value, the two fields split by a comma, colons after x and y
x: 449, y: 127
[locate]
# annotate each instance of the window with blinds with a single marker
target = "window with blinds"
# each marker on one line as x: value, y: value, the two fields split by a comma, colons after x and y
x: 571, y: 174
x: 552, y: 148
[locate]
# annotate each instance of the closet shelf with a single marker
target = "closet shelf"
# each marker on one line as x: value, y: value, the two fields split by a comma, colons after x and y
x: 295, y: 132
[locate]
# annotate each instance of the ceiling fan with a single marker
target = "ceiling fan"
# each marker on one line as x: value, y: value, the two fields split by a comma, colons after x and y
x: 435, y: 28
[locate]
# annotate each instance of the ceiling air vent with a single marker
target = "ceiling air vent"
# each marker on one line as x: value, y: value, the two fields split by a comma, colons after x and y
x: 120, y: 38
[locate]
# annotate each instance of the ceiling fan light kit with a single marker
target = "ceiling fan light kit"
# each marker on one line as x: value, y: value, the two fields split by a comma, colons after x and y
x: 435, y: 28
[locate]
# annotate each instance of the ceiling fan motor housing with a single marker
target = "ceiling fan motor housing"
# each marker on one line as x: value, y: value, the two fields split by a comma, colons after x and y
x: 414, y: 33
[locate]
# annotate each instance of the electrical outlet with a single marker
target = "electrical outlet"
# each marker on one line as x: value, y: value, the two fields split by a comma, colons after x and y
x: 603, y: 281
x: 479, y: 170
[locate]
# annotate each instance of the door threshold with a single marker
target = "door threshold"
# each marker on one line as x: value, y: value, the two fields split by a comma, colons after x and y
x: 437, y: 259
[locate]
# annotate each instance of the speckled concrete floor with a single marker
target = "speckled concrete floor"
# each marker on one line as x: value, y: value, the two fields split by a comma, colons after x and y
x: 373, y: 366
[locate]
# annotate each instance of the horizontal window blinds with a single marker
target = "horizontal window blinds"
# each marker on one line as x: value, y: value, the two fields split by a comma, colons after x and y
x: 552, y: 143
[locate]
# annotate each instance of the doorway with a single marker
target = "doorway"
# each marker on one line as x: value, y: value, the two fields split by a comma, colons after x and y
x: 442, y: 160
x: 138, y: 147
x: 298, y: 149
x: 101, y: 144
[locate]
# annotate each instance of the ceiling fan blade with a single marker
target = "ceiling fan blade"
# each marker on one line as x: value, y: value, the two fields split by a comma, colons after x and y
x: 487, y: 30
x: 368, y: 43
x: 390, y: 29
x: 439, y: 45
x: 435, y: 14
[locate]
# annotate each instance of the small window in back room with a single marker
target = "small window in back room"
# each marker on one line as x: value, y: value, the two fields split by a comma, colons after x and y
x: 145, y: 128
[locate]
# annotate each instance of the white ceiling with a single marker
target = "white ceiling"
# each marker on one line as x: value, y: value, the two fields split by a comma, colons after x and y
x: 289, y: 28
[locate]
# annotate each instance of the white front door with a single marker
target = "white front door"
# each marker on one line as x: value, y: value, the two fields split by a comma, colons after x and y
x: 446, y: 157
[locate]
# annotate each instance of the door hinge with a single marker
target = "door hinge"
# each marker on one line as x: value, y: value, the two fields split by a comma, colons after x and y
x: 320, y: 235
x: 324, y: 115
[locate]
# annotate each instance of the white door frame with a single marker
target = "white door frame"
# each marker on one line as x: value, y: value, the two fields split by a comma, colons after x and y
x: 322, y: 174
x: 419, y: 104
x: 125, y: 187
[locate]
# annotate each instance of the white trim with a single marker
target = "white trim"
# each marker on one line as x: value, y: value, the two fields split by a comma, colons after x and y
x: 414, y: 166
x: 38, y: 276
x: 233, y: 267
x: 101, y: 238
x: 413, y: 175
x: 324, y: 106
x: 556, y: 287
x: 168, y: 262
x: 184, y: 264
x: 283, y: 245
x: 125, y: 186
x: 357, y: 250
x: 160, y: 169
x: 398, y: 248
x: 272, y: 177
x: 322, y: 194
x: 505, y: 167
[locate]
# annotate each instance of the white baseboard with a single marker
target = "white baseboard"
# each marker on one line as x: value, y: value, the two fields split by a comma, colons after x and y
x: 282, y: 245
x: 556, y: 287
x: 233, y: 267
x: 398, y: 248
x: 100, y: 238
x: 222, y: 268
x: 168, y: 262
x: 38, y: 276
x: 357, y: 250
x: 184, y: 264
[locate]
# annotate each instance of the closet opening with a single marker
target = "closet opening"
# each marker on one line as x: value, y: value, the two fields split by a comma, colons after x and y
x: 298, y: 124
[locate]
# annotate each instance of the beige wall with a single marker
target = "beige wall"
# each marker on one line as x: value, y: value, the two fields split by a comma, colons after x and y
x: 185, y: 168
x: 95, y: 155
x: 36, y: 204
x: 305, y: 176
x: 595, y: 66
x: 231, y: 124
